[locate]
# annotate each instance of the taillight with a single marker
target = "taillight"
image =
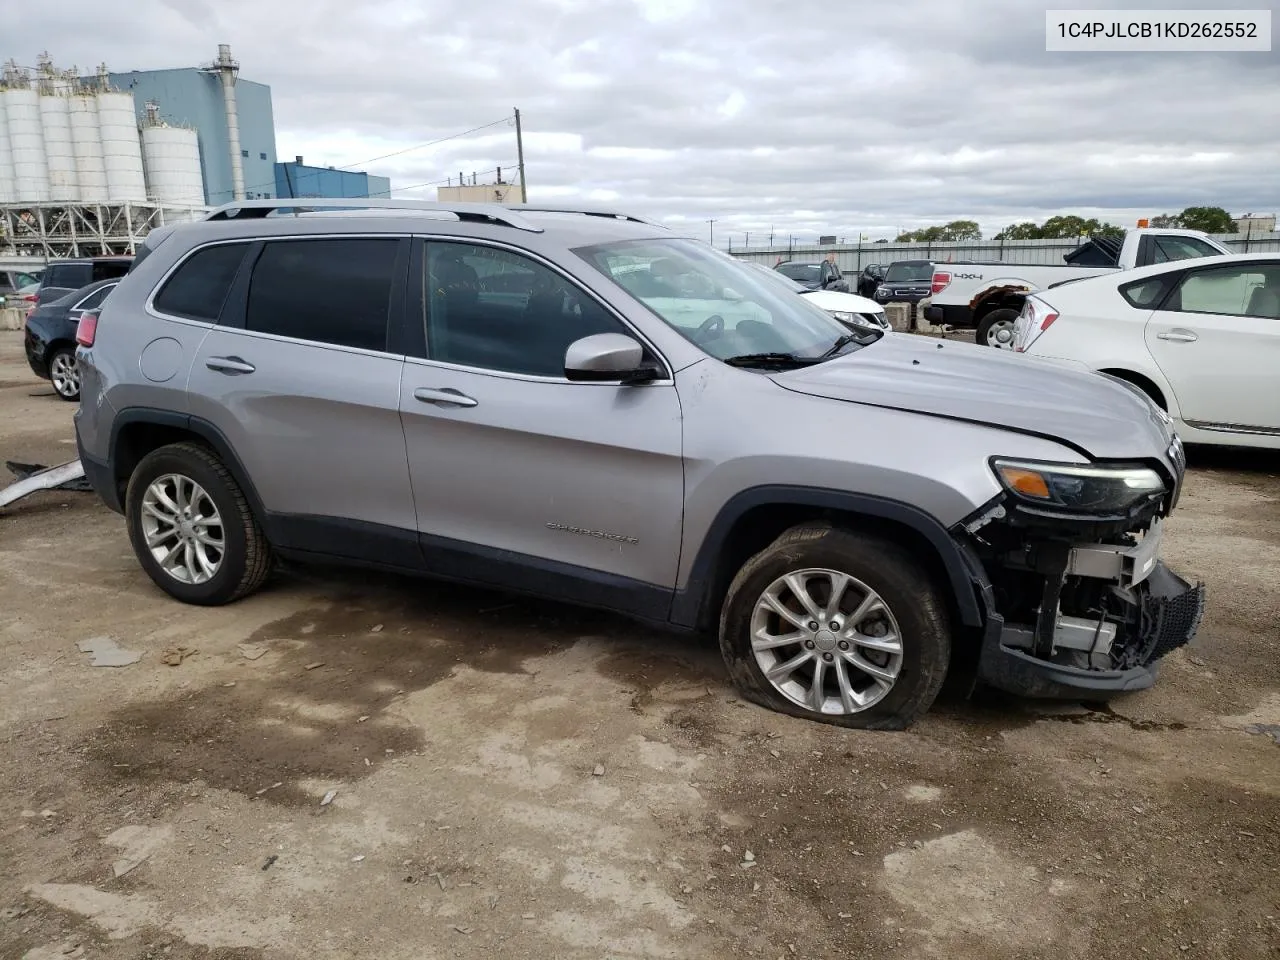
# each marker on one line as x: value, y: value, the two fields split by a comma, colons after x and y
x: 941, y: 280
x: 1047, y: 320
x: 87, y: 329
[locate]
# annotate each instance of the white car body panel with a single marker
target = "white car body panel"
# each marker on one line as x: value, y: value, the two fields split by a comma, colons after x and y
x: 1218, y: 372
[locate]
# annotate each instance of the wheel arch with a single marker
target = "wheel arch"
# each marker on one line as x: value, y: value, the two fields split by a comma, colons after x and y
x: 1143, y: 382
x: 1005, y: 296
x: 753, y: 518
x: 137, y: 431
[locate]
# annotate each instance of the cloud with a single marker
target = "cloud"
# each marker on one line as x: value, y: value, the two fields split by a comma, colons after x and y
x: 804, y: 117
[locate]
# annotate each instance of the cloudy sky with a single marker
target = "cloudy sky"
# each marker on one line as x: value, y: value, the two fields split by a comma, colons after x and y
x: 800, y: 116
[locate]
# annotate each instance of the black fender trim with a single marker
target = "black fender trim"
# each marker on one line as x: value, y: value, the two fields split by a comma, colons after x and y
x: 205, y: 431
x: 688, y: 604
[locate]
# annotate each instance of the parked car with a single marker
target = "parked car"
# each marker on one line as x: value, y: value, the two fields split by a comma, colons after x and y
x: 988, y: 296
x: 1200, y: 337
x: 905, y: 281
x: 592, y: 408
x: 66, y: 276
x: 870, y: 277
x: 13, y: 283
x: 50, y: 336
x: 818, y: 275
x: 845, y: 307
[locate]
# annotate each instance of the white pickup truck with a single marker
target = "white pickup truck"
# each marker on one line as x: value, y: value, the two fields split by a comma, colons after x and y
x: 989, y: 296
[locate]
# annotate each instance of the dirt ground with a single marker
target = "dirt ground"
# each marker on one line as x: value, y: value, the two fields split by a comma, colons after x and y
x: 521, y: 779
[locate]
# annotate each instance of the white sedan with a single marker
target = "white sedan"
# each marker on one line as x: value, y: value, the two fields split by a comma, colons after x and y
x: 845, y: 307
x: 1200, y: 337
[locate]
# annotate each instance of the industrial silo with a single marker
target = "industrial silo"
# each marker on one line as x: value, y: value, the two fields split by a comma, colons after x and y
x: 86, y: 142
x: 6, y: 157
x: 26, y: 144
x: 121, y: 151
x: 55, y: 120
x: 172, y: 159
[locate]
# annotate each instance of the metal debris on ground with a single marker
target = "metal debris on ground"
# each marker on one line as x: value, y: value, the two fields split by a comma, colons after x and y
x: 328, y: 798
x: 33, y: 477
x: 313, y: 666
x: 464, y: 929
x: 105, y: 652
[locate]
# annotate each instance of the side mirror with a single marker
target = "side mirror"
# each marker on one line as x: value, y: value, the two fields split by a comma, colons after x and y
x: 608, y: 358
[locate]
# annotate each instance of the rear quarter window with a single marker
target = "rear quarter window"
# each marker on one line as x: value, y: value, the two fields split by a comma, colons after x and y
x: 199, y: 287
x: 1148, y: 293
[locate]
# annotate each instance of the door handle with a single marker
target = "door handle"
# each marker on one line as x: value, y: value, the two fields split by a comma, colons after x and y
x: 1178, y: 336
x: 231, y: 365
x: 445, y: 395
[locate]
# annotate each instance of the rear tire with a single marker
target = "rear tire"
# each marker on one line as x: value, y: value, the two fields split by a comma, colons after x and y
x: 889, y: 601
x: 64, y: 374
x: 996, y: 329
x: 192, y: 529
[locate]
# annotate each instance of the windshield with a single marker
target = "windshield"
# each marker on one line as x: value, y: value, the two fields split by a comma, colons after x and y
x: 906, y: 272
x: 809, y: 272
x: 717, y: 302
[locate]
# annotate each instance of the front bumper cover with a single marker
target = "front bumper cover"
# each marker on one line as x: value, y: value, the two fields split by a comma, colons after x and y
x: 1170, y: 615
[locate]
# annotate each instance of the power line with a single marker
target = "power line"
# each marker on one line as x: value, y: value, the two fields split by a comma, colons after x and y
x: 429, y: 143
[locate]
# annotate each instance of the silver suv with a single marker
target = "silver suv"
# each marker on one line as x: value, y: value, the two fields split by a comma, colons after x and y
x: 583, y: 405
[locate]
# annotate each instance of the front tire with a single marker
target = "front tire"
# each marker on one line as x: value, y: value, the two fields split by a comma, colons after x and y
x: 882, y: 643
x: 64, y: 374
x: 996, y: 329
x: 192, y: 529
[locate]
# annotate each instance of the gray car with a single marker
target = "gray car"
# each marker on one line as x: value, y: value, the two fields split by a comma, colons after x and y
x: 585, y: 406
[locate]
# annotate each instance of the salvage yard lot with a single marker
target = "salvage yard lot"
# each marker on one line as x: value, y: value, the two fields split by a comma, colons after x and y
x: 523, y: 779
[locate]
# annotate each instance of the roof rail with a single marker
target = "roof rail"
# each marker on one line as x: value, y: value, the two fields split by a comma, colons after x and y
x: 585, y: 211
x: 469, y: 212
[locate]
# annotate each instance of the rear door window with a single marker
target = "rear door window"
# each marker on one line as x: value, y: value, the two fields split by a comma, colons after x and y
x: 198, y: 288
x: 335, y: 291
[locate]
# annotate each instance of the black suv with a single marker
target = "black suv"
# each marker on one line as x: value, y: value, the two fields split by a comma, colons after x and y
x: 66, y: 276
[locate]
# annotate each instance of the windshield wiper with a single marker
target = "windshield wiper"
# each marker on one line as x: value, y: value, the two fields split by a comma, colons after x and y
x: 841, y: 342
x: 769, y: 360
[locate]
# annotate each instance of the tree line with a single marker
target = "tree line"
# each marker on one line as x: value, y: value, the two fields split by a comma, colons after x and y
x: 1206, y: 219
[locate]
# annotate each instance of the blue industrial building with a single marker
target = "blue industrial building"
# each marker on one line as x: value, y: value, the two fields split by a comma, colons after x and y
x: 193, y: 97
x: 296, y: 179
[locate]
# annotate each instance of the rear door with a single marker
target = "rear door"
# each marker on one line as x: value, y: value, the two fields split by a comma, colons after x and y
x: 1216, y: 339
x: 299, y: 378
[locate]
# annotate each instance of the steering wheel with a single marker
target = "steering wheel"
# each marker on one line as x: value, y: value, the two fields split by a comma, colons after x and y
x: 711, y: 328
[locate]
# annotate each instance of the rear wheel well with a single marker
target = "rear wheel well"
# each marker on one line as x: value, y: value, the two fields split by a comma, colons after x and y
x: 135, y: 440
x: 1145, y: 384
x: 999, y: 300
x: 759, y: 526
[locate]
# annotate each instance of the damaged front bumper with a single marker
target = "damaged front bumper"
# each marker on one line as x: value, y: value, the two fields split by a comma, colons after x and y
x: 1074, y: 612
x: 1167, y: 617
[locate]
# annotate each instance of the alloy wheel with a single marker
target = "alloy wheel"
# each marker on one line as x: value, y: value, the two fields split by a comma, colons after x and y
x: 183, y: 529
x: 826, y: 641
x: 64, y: 373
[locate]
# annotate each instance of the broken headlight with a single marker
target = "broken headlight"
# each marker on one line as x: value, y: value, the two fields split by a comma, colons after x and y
x: 1083, y: 488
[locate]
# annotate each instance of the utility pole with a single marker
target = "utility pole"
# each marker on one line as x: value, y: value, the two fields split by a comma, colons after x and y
x: 712, y: 223
x: 524, y: 195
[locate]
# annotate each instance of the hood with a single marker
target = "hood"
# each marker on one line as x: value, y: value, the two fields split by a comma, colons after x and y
x: 1100, y: 417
